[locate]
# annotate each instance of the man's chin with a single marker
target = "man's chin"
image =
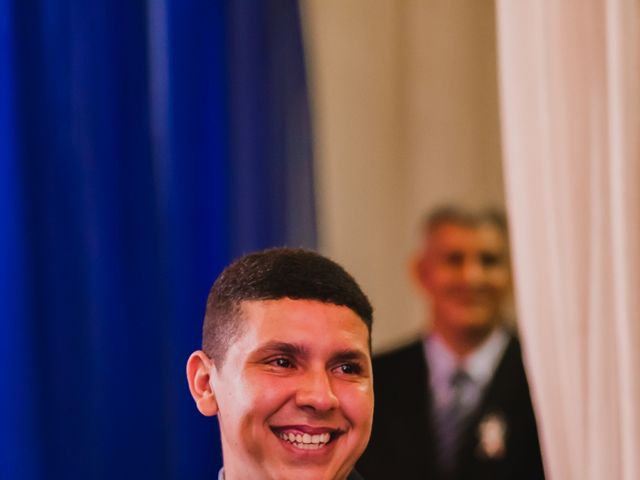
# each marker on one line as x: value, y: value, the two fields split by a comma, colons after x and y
x: 481, y: 328
x: 300, y: 470
x: 475, y: 322
x: 292, y: 463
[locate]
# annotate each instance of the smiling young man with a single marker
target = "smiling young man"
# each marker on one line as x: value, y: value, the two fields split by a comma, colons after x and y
x: 458, y: 397
x: 286, y: 367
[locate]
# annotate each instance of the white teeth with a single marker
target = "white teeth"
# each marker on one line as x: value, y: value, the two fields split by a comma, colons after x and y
x: 306, y: 441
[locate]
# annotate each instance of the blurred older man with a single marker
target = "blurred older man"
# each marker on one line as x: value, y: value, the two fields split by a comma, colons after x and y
x: 455, y: 405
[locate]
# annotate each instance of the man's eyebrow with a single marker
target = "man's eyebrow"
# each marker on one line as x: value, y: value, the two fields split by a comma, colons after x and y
x: 297, y: 350
x: 284, y: 348
x: 349, y: 354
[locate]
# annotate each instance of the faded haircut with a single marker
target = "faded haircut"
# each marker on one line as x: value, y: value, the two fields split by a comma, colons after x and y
x: 271, y: 275
x: 465, y: 217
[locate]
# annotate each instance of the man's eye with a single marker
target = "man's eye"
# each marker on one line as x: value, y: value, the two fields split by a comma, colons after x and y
x: 489, y: 259
x: 350, y: 368
x: 282, y: 362
x: 454, y: 259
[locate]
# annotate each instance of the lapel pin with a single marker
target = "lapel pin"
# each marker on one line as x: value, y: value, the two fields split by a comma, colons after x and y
x: 492, y: 431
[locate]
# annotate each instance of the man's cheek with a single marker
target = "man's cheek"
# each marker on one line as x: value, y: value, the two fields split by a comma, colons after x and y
x: 357, y: 404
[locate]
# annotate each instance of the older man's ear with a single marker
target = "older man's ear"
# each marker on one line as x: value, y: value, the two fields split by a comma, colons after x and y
x: 199, y: 376
x: 418, y: 273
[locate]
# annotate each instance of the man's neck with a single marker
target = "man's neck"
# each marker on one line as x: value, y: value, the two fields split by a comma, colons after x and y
x: 462, y: 342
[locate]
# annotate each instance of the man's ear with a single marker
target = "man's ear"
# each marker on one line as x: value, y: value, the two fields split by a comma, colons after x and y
x: 417, y: 271
x: 198, y: 374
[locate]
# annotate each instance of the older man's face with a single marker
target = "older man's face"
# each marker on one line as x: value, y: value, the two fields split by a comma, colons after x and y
x: 465, y: 271
x: 294, y: 395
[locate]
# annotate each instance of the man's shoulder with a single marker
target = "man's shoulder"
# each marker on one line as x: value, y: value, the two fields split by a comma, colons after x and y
x: 510, y: 378
x: 512, y: 353
x: 401, y: 369
x: 399, y: 355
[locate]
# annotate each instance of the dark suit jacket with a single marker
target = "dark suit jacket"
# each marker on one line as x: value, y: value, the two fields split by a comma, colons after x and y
x: 402, y: 441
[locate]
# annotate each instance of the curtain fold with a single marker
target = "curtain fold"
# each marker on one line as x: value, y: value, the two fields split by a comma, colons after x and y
x: 119, y: 193
x: 270, y: 131
x: 569, y: 87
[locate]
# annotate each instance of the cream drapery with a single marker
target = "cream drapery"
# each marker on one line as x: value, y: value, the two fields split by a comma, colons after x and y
x: 405, y: 117
x: 569, y: 75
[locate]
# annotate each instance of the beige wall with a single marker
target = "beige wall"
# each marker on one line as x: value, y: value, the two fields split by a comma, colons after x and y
x: 405, y: 117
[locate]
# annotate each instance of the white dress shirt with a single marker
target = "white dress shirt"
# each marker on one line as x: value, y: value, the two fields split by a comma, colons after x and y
x: 480, y: 365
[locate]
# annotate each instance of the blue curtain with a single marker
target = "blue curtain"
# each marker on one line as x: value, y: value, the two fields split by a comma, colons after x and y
x: 142, y: 146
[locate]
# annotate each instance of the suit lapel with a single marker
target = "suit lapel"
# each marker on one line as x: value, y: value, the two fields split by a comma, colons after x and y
x: 491, y: 408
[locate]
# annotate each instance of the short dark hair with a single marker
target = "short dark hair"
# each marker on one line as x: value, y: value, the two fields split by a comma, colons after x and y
x: 271, y: 275
x: 466, y: 217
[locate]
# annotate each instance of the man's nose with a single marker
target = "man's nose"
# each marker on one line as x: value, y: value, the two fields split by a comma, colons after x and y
x: 315, y: 391
x: 473, y: 272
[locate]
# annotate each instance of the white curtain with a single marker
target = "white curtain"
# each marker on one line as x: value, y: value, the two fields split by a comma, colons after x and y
x: 405, y: 117
x: 569, y: 74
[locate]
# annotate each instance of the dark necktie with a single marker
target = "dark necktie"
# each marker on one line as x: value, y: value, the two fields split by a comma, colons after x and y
x: 451, y: 421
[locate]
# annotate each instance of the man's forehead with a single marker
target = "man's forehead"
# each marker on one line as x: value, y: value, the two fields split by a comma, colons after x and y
x: 462, y: 236
x: 248, y: 306
x: 282, y: 309
x: 304, y: 324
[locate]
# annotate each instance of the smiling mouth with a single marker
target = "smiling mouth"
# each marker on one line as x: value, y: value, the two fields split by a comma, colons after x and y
x: 306, y: 440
